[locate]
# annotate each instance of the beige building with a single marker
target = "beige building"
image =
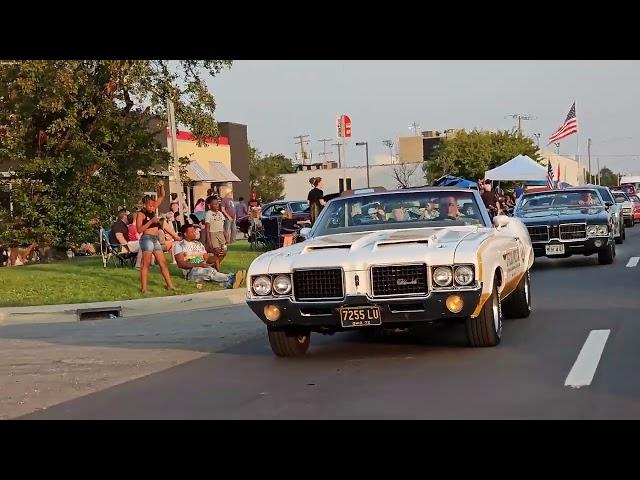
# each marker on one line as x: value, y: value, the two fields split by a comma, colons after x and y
x: 420, y: 148
x: 570, y: 171
x: 297, y: 186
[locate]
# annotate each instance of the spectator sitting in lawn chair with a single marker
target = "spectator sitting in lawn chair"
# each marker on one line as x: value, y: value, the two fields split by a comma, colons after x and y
x: 195, y: 263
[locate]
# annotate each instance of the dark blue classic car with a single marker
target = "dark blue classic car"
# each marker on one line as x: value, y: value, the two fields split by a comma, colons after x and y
x: 562, y: 223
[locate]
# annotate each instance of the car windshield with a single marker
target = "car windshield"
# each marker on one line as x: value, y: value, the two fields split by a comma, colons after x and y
x: 619, y: 197
x: 299, y: 207
x: 561, y: 199
x: 400, y: 211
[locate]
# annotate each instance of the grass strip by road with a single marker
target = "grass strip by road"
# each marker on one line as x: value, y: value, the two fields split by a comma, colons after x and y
x: 83, y: 279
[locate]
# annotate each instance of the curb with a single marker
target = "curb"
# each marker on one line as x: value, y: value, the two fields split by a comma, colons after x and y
x: 129, y: 308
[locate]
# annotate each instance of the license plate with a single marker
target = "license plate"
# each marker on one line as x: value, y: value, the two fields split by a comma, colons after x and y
x: 554, y: 249
x: 360, y: 316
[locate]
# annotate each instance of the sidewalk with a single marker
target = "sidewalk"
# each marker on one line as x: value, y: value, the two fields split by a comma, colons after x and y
x: 130, y: 308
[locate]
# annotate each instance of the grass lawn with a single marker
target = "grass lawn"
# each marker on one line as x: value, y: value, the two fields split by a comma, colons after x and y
x: 83, y: 279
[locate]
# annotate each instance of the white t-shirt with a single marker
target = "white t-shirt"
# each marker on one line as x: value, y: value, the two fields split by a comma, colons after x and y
x: 194, y: 252
x: 215, y: 220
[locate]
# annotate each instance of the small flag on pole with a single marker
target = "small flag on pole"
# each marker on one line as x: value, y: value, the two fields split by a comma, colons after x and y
x: 569, y: 127
x: 549, y: 176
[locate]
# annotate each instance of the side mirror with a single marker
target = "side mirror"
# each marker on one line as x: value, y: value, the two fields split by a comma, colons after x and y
x: 304, y: 232
x: 500, y: 221
x: 608, y: 204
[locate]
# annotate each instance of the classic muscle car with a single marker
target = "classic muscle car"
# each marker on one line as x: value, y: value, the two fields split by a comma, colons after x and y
x: 614, y: 210
x: 626, y: 204
x: 568, y: 222
x: 398, y: 259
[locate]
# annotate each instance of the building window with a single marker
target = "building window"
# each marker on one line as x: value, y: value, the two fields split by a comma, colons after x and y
x: 341, y: 184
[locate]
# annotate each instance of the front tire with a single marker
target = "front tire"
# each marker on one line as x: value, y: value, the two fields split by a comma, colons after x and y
x: 289, y: 344
x: 620, y: 240
x: 518, y: 304
x: 486, y: 329
x: 605, y: 257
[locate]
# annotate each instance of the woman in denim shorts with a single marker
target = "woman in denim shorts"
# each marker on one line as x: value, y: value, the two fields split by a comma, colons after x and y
x: 148, y: 225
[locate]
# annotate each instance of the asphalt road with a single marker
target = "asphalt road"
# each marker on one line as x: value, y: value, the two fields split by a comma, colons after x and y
x: 347, y: 376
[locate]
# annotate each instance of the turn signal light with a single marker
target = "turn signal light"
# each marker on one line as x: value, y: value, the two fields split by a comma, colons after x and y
x: 455, y: 303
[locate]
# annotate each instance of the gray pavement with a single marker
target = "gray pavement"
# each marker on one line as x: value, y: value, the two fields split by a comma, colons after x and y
x: 234, y: 375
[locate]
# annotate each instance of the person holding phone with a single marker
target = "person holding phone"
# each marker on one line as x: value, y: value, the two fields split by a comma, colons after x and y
x: 148, y: 226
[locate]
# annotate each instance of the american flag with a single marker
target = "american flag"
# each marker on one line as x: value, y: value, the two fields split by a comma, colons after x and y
x: 549, y: 176
x: 569, y: 126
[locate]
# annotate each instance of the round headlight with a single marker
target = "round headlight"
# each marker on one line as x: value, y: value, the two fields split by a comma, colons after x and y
x: 592, y: 230
x: 282, y: 284
x: 603, y: 229
x: 262, y: 285
x: 442, y: 276
x: 464, y: 275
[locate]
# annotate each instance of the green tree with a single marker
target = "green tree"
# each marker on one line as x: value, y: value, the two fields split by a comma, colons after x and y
x: 76, y: 134
x: 471, y: 154
x: 608, y: 178
x: 265, y: 174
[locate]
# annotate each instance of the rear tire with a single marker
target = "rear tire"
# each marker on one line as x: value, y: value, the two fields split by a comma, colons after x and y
x: 486, y: 329
x: 518, y: 304
x: 605, y: 257
x: 289, y: 344
x: 630, y: 223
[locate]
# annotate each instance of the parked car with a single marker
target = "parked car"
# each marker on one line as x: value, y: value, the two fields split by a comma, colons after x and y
x: 360, y: 268
x: 562, y: 223
x: 298, y: 208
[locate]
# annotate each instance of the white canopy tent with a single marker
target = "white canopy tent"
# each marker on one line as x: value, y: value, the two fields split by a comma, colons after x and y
x: 520, y: 168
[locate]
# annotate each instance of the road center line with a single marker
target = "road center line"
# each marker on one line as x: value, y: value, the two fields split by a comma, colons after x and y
x: 584, y: 368
x: 633, y: 261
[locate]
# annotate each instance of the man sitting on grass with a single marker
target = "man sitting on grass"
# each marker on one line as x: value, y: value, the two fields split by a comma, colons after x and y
x: 193, y: 259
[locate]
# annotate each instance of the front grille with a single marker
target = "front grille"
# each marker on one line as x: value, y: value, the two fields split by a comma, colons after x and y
x: 318, y: 284
x: 573, y: 232
x: 395, y: 280
x: 539, y: 233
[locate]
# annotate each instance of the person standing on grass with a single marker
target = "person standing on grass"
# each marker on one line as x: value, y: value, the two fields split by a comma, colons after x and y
x: 148, y: 226
x: 214, y: 232
x: 253, y: 201
x: 229, y: 211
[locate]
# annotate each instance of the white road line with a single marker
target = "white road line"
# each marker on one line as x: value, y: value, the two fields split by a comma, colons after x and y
x: 633, y: 262
x: 584, y: 368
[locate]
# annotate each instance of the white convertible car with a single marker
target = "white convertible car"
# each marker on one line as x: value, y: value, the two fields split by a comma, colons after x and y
x: 377, y: 259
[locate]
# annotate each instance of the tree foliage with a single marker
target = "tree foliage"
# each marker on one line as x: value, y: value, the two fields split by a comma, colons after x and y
x: 265, y: 174
x: 75, y: 134
x: 471, y: 154
x: 608, y: 178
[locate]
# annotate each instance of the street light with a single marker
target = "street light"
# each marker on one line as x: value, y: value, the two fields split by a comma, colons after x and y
x: 366, y: 146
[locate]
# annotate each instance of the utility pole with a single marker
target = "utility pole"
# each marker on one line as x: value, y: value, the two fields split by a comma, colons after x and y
x: 589, y: 155
x: 171, y: 113
x: 415, y: 127
x: 598, y: 160
x: 520, y: 117
x: 302, y: 139
x: 339, y: 158
x: 557, y: 147
x: 324, y: 148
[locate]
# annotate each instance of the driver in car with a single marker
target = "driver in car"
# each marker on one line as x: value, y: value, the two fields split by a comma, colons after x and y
x: 448, y: 207
x: 587, y: 199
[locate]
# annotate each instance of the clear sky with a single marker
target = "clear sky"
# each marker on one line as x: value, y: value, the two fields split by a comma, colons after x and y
x: 281, y: 99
